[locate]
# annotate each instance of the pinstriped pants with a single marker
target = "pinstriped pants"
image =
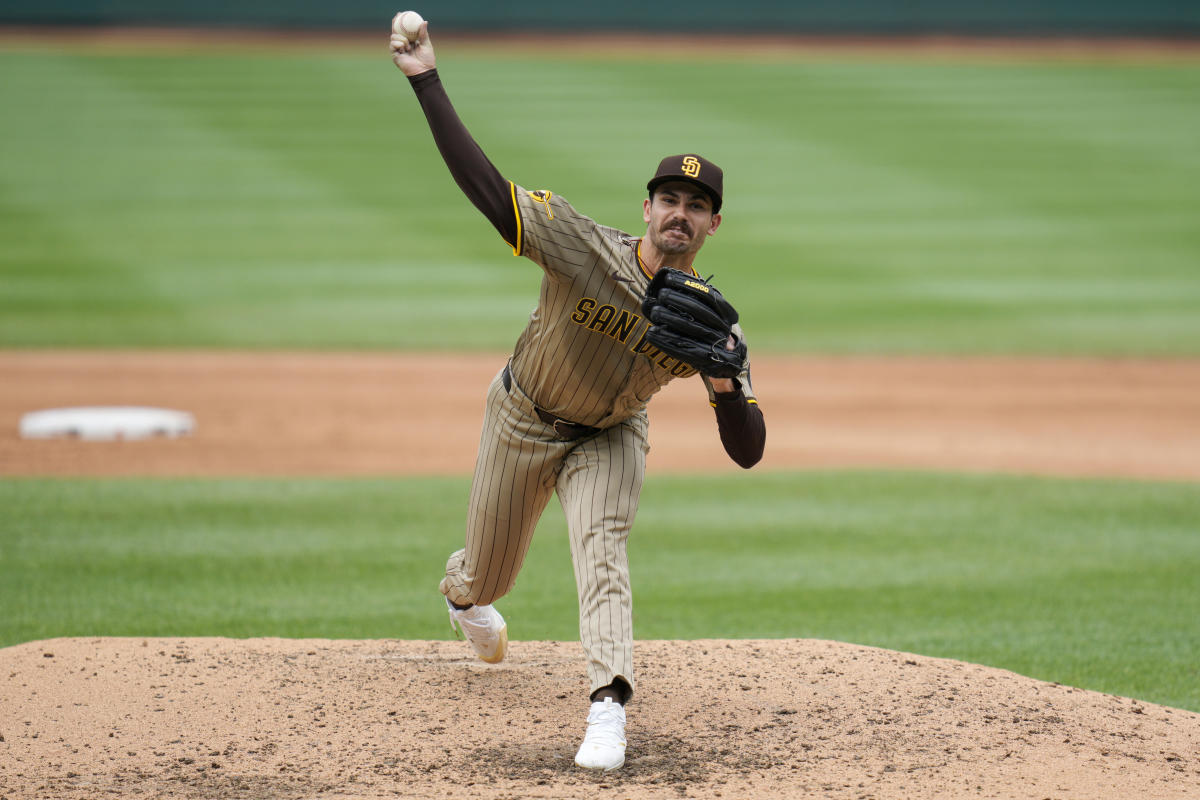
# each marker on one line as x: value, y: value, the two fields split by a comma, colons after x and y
x: 599, y: 480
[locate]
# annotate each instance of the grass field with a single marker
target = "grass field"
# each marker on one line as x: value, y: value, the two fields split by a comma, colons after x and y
x: 1093, y: 584
x: 290, y: 199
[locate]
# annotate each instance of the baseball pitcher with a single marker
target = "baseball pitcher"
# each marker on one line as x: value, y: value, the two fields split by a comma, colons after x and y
x: 618, y: 316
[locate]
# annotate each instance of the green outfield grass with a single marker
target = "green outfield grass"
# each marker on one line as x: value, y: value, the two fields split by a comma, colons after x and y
x: 294, y: 199
x: 1091, y: 583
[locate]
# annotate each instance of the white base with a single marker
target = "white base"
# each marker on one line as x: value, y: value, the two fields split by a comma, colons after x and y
x: 102, y: 423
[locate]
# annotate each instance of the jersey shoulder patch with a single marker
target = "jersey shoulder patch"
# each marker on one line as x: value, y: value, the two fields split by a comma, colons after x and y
x: 542, y: 196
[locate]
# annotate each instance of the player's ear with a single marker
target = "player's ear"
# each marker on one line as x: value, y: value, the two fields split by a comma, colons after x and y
x: 716, y: 223
x: 646, y: 210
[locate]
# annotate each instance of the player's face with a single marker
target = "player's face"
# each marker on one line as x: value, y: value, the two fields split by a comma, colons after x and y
x: 679, y: 217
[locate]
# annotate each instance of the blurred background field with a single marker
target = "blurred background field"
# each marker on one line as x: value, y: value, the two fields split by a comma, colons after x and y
x: 881, y: 201
x: 249, y: 198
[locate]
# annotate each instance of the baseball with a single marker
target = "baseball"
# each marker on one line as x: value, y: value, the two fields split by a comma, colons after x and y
x: 408, y: 25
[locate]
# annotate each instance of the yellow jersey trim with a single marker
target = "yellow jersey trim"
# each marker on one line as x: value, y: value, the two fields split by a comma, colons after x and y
x: 645, y: 270
x: 512, y: 187
x: 642, y: 264
x: 748, y: 400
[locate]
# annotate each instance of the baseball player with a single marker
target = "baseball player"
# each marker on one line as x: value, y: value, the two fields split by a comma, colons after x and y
x: 567, y: 413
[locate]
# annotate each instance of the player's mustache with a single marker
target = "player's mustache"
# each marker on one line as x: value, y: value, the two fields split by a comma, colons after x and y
x: 682, y: 226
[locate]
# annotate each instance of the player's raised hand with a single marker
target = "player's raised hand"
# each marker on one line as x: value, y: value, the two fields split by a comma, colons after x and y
x: 412, y: 53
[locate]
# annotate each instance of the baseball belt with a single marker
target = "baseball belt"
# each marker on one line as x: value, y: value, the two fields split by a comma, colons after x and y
x: 566, y: 430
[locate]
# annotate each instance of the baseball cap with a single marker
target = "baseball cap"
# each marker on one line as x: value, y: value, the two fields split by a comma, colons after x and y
x: 693, y: 169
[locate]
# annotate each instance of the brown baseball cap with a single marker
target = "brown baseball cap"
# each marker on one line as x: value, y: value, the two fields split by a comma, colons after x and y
x: 693, y: 169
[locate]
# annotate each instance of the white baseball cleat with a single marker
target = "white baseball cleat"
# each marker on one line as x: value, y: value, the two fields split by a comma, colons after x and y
x: 604, y: 743
x: 484, y: 628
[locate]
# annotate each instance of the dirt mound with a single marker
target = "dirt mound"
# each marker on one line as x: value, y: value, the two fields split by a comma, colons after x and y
x: 222, y: 718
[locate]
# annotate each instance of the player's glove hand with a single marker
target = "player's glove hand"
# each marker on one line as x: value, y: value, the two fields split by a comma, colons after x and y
x: 693, y: 322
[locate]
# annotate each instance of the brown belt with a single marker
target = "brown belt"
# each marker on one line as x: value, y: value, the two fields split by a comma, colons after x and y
x: 563, y: 427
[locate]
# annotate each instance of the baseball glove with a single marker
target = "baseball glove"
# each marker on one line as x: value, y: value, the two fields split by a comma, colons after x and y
x: 693, y: 322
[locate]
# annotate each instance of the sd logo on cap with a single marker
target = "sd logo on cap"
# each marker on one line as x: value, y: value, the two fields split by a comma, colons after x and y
x: 693, y: 169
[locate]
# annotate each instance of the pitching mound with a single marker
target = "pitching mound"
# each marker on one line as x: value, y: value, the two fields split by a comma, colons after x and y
x: 220, y: 718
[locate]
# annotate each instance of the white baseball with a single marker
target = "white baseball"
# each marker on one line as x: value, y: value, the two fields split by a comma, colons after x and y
x: 408, y: 24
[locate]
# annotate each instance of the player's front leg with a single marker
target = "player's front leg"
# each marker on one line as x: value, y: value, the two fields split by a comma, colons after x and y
x: 599, y: 488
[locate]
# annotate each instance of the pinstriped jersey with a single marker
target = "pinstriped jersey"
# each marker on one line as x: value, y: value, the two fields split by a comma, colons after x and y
x: 584, y: 355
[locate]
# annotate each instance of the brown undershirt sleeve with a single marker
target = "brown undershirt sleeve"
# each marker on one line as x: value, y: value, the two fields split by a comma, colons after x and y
x: 742, y: 427
x: 478, y: 178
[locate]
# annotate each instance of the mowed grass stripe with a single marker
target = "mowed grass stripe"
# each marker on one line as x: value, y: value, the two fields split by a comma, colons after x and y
x: 893, y: 207
x: 189, y: 235
x: 951, y: 212
x: 1092, y: 583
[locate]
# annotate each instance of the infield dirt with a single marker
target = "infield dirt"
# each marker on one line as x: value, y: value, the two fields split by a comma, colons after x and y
x: 394, y: 414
